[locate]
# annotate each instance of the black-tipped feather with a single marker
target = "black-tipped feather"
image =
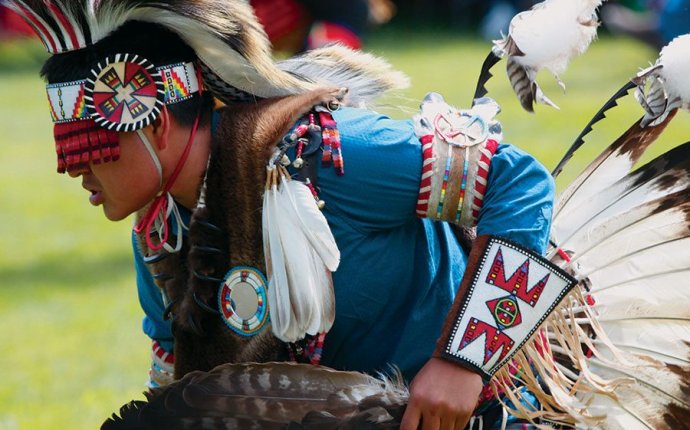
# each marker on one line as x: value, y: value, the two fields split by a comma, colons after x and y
x: 485, y: 75
x: 601, y: 114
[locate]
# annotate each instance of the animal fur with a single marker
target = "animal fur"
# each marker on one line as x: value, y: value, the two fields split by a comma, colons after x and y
x: 245, y: 139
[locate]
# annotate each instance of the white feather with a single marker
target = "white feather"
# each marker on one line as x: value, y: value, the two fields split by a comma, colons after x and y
x: 553, y: 32
x: 675, y: 59
x: 302, y: 208
x: 299, y: 239
x: 646, y: 184
x: 547, y: 36
x: 312, y: 248
x: 282, y: 316
x: 639, y: 228
x: 597, y: 176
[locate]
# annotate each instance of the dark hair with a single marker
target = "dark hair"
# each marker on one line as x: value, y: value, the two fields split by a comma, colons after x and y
x: 151, y: 41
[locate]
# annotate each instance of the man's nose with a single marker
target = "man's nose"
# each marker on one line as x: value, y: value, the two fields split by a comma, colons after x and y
x: 75, y: 172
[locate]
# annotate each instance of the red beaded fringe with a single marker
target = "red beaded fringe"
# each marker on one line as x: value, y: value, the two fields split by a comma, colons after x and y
x: 79, y: 143
x: 332, y: 151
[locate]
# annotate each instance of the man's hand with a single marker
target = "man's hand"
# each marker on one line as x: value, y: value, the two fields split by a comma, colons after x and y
x: 442, y: 396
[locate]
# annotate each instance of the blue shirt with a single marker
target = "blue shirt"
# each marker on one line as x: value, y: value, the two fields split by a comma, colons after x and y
x: 398, y: 274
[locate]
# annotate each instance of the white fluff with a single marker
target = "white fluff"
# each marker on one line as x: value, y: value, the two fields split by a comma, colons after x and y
x: 675, y: 59
x: 553, y: 32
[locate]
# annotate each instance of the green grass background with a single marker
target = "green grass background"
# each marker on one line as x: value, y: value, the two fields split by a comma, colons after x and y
x: 71, y: 348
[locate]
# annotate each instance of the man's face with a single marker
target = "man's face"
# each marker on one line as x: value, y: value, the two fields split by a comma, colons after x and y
x: 123, y: 186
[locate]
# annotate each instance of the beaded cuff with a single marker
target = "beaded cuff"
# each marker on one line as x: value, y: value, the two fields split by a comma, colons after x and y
x: 505, y: 295
x: 457, y: 150
x: 162, y: 367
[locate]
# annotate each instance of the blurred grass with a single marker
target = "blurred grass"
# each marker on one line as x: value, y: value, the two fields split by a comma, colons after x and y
x: 72, y: 350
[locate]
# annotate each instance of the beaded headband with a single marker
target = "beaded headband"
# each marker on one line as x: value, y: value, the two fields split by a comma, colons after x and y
x: 123, y: 93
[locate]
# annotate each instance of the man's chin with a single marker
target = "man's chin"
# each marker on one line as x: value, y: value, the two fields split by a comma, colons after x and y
x: 114, y: 215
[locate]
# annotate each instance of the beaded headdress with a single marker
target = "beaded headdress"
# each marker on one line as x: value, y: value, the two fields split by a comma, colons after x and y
x: 125, y: 91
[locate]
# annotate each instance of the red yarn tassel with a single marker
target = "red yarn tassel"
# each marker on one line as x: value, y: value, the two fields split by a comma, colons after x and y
x: 79, y: 143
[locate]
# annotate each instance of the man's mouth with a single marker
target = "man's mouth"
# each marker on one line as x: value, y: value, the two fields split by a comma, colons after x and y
x: 96, y: 198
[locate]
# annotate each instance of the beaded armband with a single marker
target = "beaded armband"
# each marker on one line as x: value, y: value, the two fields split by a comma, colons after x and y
x: 162, y: 367
x: 504, y: 297
x: 457, y: 149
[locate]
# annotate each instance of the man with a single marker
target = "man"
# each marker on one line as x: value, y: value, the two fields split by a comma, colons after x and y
x: 156, y: 147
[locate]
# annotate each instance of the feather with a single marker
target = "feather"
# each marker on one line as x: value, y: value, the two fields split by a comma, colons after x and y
x: 547, y: 36
x: 281, y: 312
x: 310, y: 248
x: 654, y: 222
x: 606, y: 186
x: 485, y: 74
x: 311, y: 221
x: 630, y: 242
x: 270, y: 394
x: 601, y: 114
x: 303, y: 300
x: 246, y: 65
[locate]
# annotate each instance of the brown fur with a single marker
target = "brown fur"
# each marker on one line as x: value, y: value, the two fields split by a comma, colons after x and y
x: 244, y: 141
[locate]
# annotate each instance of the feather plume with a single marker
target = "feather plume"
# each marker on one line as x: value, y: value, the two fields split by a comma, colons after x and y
x: 547, y: 36
x: 621, y: 341
x: 269, y: 395
x: 664, y: 86
x: 298, y: 235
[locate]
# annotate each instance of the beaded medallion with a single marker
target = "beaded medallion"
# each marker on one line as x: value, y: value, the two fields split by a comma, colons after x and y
x: 242, y: 300
x: 124, y: 93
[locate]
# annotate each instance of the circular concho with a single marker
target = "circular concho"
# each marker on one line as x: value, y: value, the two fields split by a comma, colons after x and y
x: 124, y: 93
x: 242, y: 300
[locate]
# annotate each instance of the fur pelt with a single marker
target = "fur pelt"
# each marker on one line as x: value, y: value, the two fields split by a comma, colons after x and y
x: 227, y: 233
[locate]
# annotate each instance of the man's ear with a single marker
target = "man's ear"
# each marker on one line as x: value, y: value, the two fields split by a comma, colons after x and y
x: 160, y: 128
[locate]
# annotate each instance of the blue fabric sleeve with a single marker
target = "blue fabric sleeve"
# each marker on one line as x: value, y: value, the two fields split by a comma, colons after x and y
x: 519, y: 200
x: 151, y: 301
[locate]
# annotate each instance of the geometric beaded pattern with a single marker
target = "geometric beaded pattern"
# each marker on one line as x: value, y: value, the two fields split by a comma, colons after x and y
x: 227, y: 93
x: 242, y: 300
x: 67, y: 100
x: 124, y: 93
x: 512, y: 291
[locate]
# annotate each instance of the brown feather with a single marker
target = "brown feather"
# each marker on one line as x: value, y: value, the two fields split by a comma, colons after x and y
x: 267, y: 396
